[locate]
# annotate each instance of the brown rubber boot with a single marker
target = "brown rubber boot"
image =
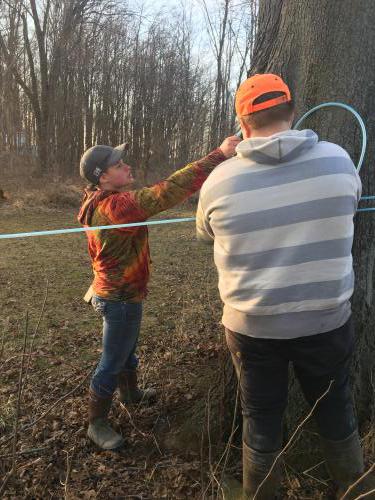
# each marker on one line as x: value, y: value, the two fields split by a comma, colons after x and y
x: 344, y: 461
x: 256, y: 466
x: 99, y: 431
x: 129, y: 392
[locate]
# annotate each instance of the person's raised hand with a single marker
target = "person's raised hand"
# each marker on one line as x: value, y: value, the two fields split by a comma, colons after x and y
x: 228, y: 146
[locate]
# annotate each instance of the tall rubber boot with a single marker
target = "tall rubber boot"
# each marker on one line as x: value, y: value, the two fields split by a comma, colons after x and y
x: 344, y: 461
x: 256, y: 466
x: 129, y: 392
x: 100, y: 431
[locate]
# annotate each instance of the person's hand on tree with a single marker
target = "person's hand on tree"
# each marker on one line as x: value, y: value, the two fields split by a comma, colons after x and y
x: 228, y: 146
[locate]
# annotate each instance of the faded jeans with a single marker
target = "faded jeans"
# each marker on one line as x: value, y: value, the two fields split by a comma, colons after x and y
x: 121, y: 327
x: 262, y: 365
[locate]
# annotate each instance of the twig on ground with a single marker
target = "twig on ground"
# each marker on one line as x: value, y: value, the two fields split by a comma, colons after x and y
x: 59, y: 401
x: 16, y: 356
x: 156, y: 443
x: 233, y: 430
x: 212, y: 472
x: 5, y: 482
x: 306, y: 473
x: 209, y: 438
x: 100, y: 489
x: 313, y: 467
x: 50, y: 357
x: 320, y: 481
x: 203, y: 491
x: 68, y: 470
x: 161, y: 465
x: 352, y: 486
x: 27, y: 465
x: 219, y: 487
x: 25, y: 452
x: 2, y: 342
x: 364, y: 495
x: 228, y: 445
x: 17, y: 414
x: 28, y: 426
x: 34, y: 335
x: 123, y: 407
x: 143, y: 434
x: 292, y: 437
x: 19, y: 392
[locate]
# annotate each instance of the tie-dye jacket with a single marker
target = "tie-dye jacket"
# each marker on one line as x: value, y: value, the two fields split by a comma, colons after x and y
x: 121, y: 257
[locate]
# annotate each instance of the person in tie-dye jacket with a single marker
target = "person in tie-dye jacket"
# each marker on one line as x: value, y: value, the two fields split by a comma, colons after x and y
x: 121, y: 264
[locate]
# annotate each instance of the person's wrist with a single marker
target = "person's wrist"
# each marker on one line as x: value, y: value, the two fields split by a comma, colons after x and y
x: 222, y: 153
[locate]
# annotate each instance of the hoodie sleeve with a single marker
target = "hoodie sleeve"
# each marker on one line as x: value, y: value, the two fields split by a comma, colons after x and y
x: 358, y: 182
x: 203, y: 228
x: 179, y: 186
x: 138, y: 206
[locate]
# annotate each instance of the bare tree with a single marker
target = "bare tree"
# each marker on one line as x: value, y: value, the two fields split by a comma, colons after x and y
x: 82, y: 72
x: 41, y: 57
x: 231, y: 30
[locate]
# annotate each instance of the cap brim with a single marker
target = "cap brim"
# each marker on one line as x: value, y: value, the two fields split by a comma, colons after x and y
x: 117, y: 153
x: 114, y: 158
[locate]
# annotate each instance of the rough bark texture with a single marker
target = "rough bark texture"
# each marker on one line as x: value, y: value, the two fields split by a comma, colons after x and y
x: 324, y: 49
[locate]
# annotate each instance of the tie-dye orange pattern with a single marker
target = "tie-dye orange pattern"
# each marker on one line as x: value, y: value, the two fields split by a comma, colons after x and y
x: 121, y: 257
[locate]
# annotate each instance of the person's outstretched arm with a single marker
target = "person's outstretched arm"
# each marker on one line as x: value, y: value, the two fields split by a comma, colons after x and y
x: 139, y: 205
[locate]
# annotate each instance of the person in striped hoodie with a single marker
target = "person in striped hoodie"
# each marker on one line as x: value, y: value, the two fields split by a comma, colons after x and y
x: 121, y: 264
x: 280, y: 217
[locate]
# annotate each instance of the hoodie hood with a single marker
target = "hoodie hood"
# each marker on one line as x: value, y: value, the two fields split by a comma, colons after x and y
x: 278, y: 148
x: 91, y: 200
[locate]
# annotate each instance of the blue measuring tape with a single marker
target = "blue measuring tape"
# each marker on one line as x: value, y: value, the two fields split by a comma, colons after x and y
x: 191, y: 219
x: 94, y: 228
x: 364, y: 138
x: 348, y: 108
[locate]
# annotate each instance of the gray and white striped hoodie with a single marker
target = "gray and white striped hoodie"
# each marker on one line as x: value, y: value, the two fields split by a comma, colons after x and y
x: 280, y: 215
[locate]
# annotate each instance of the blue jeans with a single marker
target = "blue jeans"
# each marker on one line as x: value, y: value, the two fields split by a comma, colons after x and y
x: 262, y: 365
x: 121, y: 326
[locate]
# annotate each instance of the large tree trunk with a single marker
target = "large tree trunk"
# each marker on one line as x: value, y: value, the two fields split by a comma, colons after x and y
x: 324, y: 50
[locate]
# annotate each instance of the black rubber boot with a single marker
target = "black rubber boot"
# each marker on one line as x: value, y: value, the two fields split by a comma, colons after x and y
x: 100, y: 431
x: 256, y: 466
x: 344, y: 461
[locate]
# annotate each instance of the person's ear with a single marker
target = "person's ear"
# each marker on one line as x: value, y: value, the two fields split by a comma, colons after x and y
x: 246, y: 129
x: 104, y: 177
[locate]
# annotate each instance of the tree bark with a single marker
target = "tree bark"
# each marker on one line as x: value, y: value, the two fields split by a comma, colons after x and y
x: 324, y: 51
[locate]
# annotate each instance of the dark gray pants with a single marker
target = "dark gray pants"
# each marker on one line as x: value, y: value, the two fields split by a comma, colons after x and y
x: 262, y: 365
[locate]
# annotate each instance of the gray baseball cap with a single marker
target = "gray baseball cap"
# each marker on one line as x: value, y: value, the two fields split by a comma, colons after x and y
x: 97, y: 159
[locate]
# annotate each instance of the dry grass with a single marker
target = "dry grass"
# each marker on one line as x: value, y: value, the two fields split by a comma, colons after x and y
x: 181, y: 351
x: 52, y: 196
x: 23, y: 190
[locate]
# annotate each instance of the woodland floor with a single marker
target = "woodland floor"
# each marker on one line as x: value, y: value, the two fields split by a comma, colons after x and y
x: 181, y: 352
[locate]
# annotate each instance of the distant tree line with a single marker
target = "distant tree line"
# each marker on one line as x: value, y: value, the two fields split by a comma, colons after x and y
x: 74, y: 73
